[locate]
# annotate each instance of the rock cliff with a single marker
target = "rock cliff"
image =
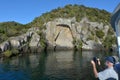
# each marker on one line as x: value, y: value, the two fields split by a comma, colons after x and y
x: 67, y: 33
x: 30, y: 38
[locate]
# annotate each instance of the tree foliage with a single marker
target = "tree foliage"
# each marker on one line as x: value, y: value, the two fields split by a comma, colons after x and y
x: 10, y: 29
x: 77, y: 44
x: 109, y: 41
x: 78, y: 11
x: 100, y: 33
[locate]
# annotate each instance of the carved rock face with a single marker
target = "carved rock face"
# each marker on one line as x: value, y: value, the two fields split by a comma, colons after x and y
x: 58, y: 35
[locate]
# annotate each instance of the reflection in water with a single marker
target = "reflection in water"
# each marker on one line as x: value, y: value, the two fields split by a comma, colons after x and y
x: 59, y: 65
x: 34, y: 61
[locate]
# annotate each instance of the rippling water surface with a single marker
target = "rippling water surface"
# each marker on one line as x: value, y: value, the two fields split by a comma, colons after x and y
x: 59, y: 65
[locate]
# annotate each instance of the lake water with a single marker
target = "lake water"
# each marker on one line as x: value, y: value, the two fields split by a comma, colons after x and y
x: 59, y: 65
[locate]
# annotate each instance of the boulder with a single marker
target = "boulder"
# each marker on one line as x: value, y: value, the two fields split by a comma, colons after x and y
x: 90, y: 45
x: 24, y: 38
x: 34, y: 29
x: 35, y: 40
x: 15, y: 42
x: 4, y: 46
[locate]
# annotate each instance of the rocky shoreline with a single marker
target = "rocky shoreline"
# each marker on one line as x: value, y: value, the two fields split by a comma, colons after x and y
x: 29, y: 39
x: 62, y: 34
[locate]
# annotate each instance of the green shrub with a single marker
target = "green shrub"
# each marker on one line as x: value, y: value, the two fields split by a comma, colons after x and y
x: 90, y: 37
x: 109, y: 41
x: 12, y: 32
x: 100, y: 33
x: 110, y: 31
x: 77, y: 43
x: 15, y: 51
x: 3, y: 37
x: 96, y: 39
x: 7, y: 53
x: 92, y: 33
x: 42, y: 40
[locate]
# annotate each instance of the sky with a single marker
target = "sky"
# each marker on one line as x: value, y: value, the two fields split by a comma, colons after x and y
x: 24, y: 11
